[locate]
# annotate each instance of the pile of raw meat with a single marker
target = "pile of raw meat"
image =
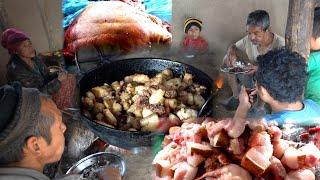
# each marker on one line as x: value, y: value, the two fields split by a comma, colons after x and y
x: 233, y: 149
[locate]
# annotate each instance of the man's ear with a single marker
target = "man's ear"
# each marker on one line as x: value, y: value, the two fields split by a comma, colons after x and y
x: 33, y: 145
x: 269, y: 29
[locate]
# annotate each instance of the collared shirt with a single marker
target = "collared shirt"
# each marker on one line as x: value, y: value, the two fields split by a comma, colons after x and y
x: 251, y: 50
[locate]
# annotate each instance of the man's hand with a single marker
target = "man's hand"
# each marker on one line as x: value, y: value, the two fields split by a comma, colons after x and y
x: 253, y: 70
x: 244, y: 98
x: 231, y: 57
x: 245, y: 103
x: 62, y: 76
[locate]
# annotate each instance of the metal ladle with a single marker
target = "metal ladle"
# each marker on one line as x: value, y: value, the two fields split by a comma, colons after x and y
x: 205, y: 104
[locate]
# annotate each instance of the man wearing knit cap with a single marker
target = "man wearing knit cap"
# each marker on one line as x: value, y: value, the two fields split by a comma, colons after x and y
x: 259, y: 40
x: 31, y: 133
x: 193, y: 43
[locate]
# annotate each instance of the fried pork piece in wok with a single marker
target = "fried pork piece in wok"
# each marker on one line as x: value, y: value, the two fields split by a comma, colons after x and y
x: 140, y: 102
x: 115, y: 24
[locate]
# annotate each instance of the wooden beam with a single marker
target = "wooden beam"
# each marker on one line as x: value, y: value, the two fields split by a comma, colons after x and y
x: 4, y: 23
x: 299, y: 25
x: 41, y: 5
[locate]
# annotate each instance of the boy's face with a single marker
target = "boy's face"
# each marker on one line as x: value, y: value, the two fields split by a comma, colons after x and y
x: 315, y: 43
x: 194, y: 32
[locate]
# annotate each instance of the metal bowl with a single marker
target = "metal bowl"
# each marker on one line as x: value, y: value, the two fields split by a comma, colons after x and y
x: 98, y: 161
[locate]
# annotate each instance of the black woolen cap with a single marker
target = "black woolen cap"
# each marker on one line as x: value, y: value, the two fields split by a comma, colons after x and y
x: 19, y: 108
x: 9, y: 99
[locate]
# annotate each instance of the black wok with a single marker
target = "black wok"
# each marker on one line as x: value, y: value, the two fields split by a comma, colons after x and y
x: 116, y: 71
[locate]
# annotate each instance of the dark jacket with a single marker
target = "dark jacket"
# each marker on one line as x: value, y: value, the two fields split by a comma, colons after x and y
x: 37, y: 77
x: 21, y: 174
x: 29, y: 174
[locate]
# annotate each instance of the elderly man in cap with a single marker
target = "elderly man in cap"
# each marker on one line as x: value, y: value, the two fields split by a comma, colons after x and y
x: 259, y: 40
x: 31, y: 133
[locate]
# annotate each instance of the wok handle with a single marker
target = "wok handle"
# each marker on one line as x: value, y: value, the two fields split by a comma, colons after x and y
x: 102, y: 58
x: 72, y: 112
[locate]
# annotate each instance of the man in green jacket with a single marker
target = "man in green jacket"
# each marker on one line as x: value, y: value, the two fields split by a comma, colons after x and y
x: 313, y: 69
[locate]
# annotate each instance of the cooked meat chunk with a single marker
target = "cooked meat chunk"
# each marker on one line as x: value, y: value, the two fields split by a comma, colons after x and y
x: 124, y: 103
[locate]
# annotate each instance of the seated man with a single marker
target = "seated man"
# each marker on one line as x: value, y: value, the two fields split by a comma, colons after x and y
x: 281, y: 77
x: 313, y: 69
x: 31, y: 133
x: 260, y: 40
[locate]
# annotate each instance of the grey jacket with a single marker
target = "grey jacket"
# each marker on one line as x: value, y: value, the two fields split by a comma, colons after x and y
x: 21, y: 174
x: 28, y: 174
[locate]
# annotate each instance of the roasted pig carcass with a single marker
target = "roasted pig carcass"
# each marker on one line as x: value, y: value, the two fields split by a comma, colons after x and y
x: 115, y: 24
x: 135, y: 3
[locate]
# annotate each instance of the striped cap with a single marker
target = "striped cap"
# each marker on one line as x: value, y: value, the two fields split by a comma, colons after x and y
x: 192, y: 22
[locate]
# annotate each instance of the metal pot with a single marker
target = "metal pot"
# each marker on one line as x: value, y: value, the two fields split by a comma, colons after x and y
x: 96, y: 161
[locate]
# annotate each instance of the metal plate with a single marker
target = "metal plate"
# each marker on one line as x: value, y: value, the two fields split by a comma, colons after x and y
x: 227, y: 70
x: 99, y: 160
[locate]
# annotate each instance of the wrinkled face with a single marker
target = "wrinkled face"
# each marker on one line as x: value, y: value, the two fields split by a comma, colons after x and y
x: 54, y: 150
x: 194, y: 32
x: 256, y: 34
x: 25, y: 49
